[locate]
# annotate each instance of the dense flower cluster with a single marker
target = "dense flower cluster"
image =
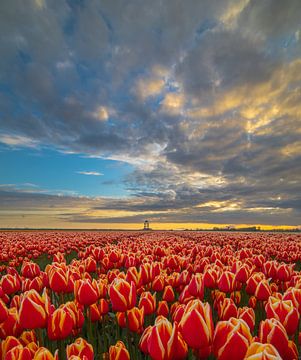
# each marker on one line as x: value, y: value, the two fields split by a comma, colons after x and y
x: 157, y: 295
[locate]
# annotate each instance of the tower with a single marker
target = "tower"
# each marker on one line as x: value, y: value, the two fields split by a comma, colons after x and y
x: 146, y: 225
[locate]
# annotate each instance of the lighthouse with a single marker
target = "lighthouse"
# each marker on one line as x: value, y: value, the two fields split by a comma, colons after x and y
x: 146, y: 225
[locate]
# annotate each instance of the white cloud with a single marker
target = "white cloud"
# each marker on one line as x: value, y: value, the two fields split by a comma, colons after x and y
x: 91, y: 173
x: 101, y: 113
x: 18, y: 141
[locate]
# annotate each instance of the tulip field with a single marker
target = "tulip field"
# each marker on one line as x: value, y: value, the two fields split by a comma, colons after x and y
x: 72, y: 295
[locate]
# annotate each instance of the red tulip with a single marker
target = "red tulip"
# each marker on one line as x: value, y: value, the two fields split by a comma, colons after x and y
x: 263, y: 290
x: 103, y: 307
x: 133, y: 319
x: 45, y: 354
x: 60, y: 279
x: 60, y: 324
x: 253, y: 281
x: 18, y: 353
x: 3, y: 312
x: 231, y: 339
x: 11, y: 325
x: 163, y: 341
x: 158, y: 283
x: 163, y: 308
x: 168, y: 294
x: 258, y: 351
x: 210, y: 278
x: 148, y: 302
x: 34, y: 310
x: 27, y: 337
x: 9, y: 343
x: 226, y: 282
x: 122, y: 294
x: 94, y: 313
x: 86, y: 292
x: 227, y: 309
x: 196, y: 286
x: 30, y: 270
x: 285, y: 312
x: 248, y: 315
x: 76, y: 314
x: 118, y: 352
x: 196, y: 325
x: 10, y: 284
x: 284, y: 272
x: 81, y: 348
x: 273, y: 332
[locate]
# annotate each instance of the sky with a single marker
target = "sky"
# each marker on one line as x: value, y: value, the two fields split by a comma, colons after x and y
x: 185, y: 113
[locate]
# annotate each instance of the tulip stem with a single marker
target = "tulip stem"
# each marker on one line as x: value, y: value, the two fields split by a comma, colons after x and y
x: 128, y: 333
x: 39, y: 336
x: 191, y: 354
x: 61, y: 348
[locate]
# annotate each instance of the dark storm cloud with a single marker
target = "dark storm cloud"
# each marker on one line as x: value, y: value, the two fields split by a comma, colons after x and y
x: 272, y: 18
x: 224, y: 125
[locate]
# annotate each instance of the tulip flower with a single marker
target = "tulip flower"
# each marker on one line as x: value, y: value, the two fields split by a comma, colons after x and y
x: 10, y: 284
x: 196, y: 325
x: 285, y: 312
x: 163, y: 341
x: 284, y: 272
x: 158, y: 283
x: 60, y: 280
x: 168, y: 294
x: 11, y: 325
x: 226, y: 282
x: 226, y: 309
x: 34, y: 310
x: 103, y: 307
x: 33, y: 347
x: 86, y: 292
x: 45, y: 354
x: 30, y: 270
x: 122, y: 295
x: 7, y: 344
x: 81, y: 348
x: 163, y: 308
x: 94, y: 313
x: 196, y: 286
x: 118, y: 352
x: 90, y: 265
x: 248, y: 315
x: 3, y: 312
x: 76, y: 314
x: 236, y: 297
x: 18, y: 353
x: 263, y: 290
x: 273, y: 332
x: 258, y: 351
x: 294, y: 295
x: 27, y: 337
x: 253, y: 281
x: 185, y: 296
x: 133, y: 319
x: 231, y: 339
x: 242, y: 274
x: 60, y: 324
x: 148, y: 302
x: 210, y: 278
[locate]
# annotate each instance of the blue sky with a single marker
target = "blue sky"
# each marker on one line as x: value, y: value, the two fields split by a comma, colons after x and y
x: 54, y: 172
x: 183, y: 112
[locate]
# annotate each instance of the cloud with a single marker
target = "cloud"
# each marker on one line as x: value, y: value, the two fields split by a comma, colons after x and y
x: 201, y: 98
x: 149, y: 87
x: 93, y: 173
x: 16, y: 141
